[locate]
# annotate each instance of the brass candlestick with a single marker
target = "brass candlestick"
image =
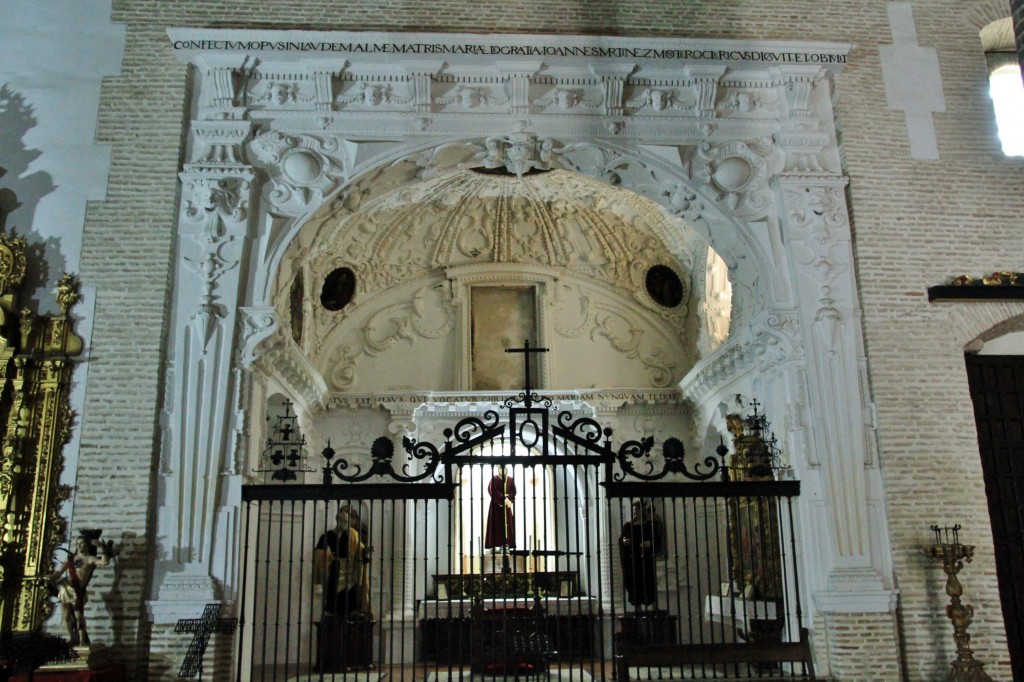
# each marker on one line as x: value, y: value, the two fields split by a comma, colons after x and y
x: 952, y: 554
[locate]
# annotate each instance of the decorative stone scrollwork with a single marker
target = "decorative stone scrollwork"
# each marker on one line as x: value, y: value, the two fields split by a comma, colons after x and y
x: 737, y: 174
x: 302, y: 169
x: 818, y: 212
x: 683, y: 200
x: 428, y: 315
x: 257, y: 323
x: 214, y: 201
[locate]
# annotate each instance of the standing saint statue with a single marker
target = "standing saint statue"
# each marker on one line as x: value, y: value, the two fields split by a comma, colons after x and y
x: 501, y: 529
x: 340, y: 565
x: 70, y: 582
x: 641, y: 541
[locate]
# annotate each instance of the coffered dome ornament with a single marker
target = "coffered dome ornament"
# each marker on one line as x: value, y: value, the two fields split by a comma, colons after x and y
x: 600, y: 234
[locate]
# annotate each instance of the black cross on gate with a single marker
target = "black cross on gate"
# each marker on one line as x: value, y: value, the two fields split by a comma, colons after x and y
x: 203, y: 627
x: 526, y: 350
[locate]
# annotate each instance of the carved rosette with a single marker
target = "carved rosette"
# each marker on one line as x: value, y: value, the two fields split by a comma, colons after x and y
x: 737, y: 174
x: 302, y: 169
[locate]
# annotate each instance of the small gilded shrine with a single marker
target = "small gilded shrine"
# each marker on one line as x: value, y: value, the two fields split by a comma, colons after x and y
x: 36, y: 363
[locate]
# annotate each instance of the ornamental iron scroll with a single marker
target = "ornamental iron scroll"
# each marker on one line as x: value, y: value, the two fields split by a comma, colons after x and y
x: 566, y: 440
x: 468, y: 434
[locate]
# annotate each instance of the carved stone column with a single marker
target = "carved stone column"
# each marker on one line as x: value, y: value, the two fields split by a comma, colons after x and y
x: 199, y: 470
x: 816, y: 227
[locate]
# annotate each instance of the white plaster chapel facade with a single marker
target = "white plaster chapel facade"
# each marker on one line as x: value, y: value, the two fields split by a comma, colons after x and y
x: 722, y: 160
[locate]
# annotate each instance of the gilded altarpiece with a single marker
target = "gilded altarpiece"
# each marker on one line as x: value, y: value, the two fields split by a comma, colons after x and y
x: 36, y: 363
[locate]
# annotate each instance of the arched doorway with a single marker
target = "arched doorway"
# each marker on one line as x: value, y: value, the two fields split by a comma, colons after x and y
x: 741, y: 153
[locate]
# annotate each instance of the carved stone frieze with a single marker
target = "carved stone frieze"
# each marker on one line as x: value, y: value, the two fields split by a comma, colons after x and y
x: 766, y: 343
x: 747, y: 101
x: 374, y: 95
x: 283, y: 92
x: 214, y: 203
x: 650, y: 100
x: 566, y: 98
x: 706, y: 79
x: 464, y: 97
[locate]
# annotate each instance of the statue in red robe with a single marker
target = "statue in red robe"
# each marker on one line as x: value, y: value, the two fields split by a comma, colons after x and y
x: 501, y: 529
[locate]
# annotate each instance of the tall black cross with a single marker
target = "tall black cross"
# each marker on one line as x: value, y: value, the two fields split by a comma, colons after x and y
x: 203, y: 627
x: 526, y: 350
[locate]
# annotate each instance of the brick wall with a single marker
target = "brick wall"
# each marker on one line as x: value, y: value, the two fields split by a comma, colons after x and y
x: 916, y: 224
x: 859, y: 646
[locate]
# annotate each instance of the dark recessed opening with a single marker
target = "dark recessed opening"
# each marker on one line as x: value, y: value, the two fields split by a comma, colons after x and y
x: 664, y: 286
x: 338, y: 289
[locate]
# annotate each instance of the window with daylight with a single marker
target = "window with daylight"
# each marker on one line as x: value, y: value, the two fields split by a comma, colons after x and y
x: 1007, y: 91
x: 1005, y: 85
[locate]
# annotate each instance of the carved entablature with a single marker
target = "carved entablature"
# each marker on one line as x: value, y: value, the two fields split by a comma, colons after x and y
x: 224, y: 84
x: 429, y: 82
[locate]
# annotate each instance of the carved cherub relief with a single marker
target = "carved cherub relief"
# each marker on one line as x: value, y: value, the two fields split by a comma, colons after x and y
x: 565, y: 99
x: 745, y: 102
x: 277, y: 94
x: 470, y: 97
x: 371, y: 95
x: 657, y: 99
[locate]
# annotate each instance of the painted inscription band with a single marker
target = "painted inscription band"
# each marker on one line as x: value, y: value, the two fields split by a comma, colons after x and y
x: 593, y: 51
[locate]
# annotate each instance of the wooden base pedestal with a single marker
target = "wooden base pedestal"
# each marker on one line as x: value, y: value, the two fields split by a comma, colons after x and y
x: 344, y: 645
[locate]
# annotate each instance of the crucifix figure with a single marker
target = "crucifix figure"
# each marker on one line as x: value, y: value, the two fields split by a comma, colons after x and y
x: 203, y: 627
x: 526, y: 351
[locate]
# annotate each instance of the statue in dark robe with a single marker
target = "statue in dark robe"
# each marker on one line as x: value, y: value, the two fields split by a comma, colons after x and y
x: 501, y: 529
x: 641, y: 541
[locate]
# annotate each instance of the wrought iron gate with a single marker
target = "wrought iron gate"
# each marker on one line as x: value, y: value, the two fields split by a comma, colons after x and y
x: 604, y: 562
